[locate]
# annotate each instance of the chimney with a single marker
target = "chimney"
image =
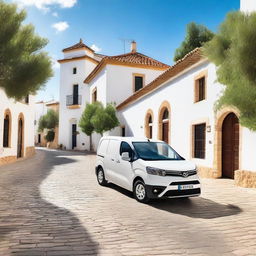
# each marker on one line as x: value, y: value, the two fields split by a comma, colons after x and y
x: 133, y: 46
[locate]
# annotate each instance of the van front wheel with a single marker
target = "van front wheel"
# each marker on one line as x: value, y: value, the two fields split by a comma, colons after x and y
x: 101, y: 177
x: 139, y: 192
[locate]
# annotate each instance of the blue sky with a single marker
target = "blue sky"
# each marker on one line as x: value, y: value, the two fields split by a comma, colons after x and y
x: 158, y: 26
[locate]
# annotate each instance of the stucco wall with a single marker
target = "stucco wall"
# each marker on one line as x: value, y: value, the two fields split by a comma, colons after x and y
x: 68, y: 116
x: 247, y: 5
x: 17, y: 108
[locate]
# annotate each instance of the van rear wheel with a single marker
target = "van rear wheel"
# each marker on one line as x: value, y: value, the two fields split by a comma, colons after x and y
x: 140, y: 192
x: 101, y: 177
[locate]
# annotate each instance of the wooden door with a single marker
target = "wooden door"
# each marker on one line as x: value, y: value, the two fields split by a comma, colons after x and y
x: 73, y: 136
x: 165, y: 132
x: 230, y: 145
x: 20, y: 139
x: 75, y: 94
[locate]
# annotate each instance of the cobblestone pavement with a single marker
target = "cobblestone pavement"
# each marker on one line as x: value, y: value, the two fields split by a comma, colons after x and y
x: 51, y: 204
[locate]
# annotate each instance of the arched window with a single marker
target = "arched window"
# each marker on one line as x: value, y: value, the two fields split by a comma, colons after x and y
x: 164, y: 122
x: 165, y: 115
x: 149, y: 124
x: 7, y: 129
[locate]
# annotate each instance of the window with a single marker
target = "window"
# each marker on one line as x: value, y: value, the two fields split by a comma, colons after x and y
x: 149, y: 124
x: 200, y: 89
x: 27, y: 99
x: 125, y: 147
x: 74, y: 71
x: 94, y: 95
x: 154, y: 151
x: 6, y: 135
x: 75, y: 94
x: 138, y: 81
x: 123, y: 131
x: 199, y: 141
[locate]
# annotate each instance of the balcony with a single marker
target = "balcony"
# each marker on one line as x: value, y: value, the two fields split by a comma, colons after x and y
x: 73, y: 101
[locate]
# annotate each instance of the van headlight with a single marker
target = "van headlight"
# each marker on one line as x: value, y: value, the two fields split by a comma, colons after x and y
x: 155, y: 171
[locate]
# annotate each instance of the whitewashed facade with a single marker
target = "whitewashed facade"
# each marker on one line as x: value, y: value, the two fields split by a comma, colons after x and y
x: 73, y: 100
x: 16, y: 128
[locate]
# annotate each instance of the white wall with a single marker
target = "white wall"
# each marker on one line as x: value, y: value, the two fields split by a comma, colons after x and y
x: 16, y: 108
x: 247, y: 5
x: 68, y: 116
x: 120, y: 81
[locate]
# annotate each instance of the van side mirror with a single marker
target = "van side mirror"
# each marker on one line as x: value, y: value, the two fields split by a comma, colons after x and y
x: 125, y: 156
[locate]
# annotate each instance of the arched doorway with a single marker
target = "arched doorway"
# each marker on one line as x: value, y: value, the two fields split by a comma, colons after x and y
x: 230, y: 145
x: 20, y: 144
x: 149, y: 124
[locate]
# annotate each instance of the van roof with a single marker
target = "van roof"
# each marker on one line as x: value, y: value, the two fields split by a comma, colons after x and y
x: 128, y: 139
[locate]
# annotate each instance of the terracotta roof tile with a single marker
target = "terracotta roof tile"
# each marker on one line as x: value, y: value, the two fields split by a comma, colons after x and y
x: 138, y: 58
x: 133, y: 58
x: 189, y: 60
x: 77, y: 46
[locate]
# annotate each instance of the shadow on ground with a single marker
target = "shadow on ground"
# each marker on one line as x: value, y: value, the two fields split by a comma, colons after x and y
x: 29, y: 225
x: 194, y: 207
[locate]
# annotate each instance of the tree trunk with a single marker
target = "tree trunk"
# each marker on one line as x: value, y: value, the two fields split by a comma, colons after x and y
x: 91, y: 142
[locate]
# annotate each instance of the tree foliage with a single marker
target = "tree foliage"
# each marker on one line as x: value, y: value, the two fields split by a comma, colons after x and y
x: 24, y: 68
x: 48, y: 121
x: 105, y: 119
x: 196, y: 36
x: 85, y: 122
x: 97, y: 118
x: 233, y: 51
x: 50, y: 136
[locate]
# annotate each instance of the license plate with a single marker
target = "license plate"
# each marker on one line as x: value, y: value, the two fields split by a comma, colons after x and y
x: 182, y: 187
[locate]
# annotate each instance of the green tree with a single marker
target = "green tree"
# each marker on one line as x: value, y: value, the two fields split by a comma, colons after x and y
x: 96, y: 118
x: 24, y: 68
x: 196, y: 36
x: 105, y: 119
x: 50, y: 136
x: 233, y: 51
x: 85, y: 122
x: 48, y: 121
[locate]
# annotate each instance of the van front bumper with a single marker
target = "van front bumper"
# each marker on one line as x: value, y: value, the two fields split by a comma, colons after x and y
x: 174, y: 190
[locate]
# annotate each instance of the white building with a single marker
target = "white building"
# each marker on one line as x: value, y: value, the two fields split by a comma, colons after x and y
x: 79, y: 60
x: 41, y: 109
x: 16, y: 128
x: 109, y: 79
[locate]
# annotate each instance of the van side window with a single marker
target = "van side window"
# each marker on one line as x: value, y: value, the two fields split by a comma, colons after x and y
x: 103, y: 147
x: 125, y: 147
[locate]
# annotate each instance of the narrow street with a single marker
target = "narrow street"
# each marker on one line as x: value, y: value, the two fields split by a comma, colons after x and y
x: 51, y: 204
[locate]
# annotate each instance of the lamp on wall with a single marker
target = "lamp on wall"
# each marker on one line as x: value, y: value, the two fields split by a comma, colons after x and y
x: 208, y: 128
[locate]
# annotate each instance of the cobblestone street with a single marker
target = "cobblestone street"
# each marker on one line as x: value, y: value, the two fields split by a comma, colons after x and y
x: 51, y: 204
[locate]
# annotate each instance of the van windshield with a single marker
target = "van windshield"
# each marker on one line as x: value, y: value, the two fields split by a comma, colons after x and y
x: 153, y: 151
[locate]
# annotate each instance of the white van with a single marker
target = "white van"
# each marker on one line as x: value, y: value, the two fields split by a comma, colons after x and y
x: 149, y: 168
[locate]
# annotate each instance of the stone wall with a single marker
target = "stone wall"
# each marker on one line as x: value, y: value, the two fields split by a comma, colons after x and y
x: 7, y: 159
x: 30, y: 151
x: 245, y: 179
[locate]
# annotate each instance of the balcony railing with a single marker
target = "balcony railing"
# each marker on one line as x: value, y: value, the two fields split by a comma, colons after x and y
x: 73, y: 100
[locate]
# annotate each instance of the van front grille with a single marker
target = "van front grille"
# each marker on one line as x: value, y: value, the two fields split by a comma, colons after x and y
x: 181, y: 173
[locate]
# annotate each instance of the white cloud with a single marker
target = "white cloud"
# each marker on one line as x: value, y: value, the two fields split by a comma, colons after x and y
x: 46, y: 4
x: 55, y: 63
x: 55, y: 14
x: 96, y: 48
x: 60, y: 26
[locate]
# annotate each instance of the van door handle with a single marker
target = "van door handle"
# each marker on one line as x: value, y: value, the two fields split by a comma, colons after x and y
x: 118, y: 161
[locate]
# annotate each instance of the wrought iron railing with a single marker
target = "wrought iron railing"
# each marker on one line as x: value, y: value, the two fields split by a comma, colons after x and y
x: 73, y: 100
